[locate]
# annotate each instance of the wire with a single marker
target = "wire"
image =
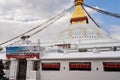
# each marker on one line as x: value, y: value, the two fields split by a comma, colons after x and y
x: 52, y: 21
x: 90, y: 17
x: 104, y: 12
x: 97, y: 23
x: 66, y: 10
x: 61, y: 15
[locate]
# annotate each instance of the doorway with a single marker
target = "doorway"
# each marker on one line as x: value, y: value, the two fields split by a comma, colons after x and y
x: 22, y: 67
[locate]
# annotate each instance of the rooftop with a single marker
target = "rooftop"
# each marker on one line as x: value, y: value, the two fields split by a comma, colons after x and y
x: 82, y: 55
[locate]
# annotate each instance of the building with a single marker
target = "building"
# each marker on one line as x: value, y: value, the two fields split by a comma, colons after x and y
x: 88, y: 53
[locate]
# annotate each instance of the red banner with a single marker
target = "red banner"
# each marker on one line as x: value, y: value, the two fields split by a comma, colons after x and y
x: 19, y: 56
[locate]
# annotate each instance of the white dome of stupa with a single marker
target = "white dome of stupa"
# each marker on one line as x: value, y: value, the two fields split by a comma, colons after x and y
x: 82, y: 32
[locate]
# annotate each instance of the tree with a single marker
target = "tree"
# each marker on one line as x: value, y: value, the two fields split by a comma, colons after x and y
x: 2, y: 72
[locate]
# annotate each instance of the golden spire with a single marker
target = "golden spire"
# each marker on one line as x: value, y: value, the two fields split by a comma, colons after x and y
x: 77, y: 2
x: 79, y: 15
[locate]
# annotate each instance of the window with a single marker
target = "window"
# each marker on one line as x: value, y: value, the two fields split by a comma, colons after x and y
x: 51, y: 66
x: 83, y: 66
x: 111, y: 66
x: 36, y: 65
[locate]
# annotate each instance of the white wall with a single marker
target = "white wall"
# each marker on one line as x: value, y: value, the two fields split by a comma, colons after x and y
x: 13, y: 69
x: 66, y: 74
x: 31, y: 74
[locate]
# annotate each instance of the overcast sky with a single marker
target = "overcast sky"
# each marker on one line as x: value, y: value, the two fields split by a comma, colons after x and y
x: 18, y: 16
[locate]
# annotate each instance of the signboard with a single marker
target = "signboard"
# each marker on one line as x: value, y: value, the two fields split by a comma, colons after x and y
x: 83, y: 66
x: 51, y: 66
x: 111, y: 66
x: 22, y: 52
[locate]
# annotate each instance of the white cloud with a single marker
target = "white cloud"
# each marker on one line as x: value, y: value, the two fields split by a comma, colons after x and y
x: 94, y: 15
x: 115, y: 28
x: 16, y: 17
x: 50, y: 32
x: 91, y: 11
x: 10, y: 29
x: 30, y: 10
